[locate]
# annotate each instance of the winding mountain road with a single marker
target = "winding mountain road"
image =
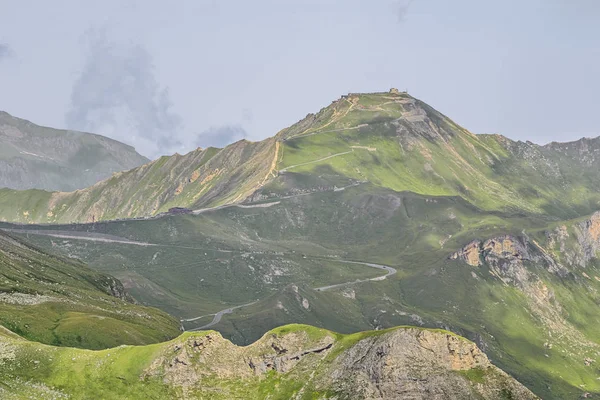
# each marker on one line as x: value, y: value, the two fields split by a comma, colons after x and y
x: 104, y: 238
x: 92, y: 237
x: 217, y: 316
x: 390, y: 271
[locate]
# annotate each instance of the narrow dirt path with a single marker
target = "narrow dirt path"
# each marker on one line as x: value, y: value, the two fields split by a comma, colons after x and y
x: 273, y: 165
x: 316, y: 161
x: 217, y: 316
x: 329, y: 131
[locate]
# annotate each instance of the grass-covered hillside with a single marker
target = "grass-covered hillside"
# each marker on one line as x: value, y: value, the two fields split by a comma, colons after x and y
x: 495, y: 278
x: 37, y: 157
x: 375, y: 212
x: 200, y: 178
x: 293, y: 361
x: 55, y: 300
x: 396, y: 141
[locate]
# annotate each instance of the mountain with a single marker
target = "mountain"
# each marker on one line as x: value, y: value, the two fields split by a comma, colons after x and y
x: 293, y: 361
x: 37, y: 157
x: 60, y: 301
x: 203, y: 177
x: 391, y: 140
x: 375, y: 212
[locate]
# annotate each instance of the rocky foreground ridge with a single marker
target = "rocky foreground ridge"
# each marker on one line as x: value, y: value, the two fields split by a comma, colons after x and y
x: 294, y: 361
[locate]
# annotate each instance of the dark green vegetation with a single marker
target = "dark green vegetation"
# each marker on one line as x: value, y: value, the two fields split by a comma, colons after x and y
x: 62, y: 302
x: 293, y: 361
x: 492, y: 239
x: 234, y: 256
x: 33, y: 156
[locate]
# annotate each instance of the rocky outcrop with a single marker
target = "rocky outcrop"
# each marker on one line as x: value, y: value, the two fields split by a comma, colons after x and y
x: 115, y: 288
x: 524, y: 264
x: 578, y: 244
x: 504, y: 255
x: 406, y: 363
x: 588, y: 236
x: 210, y: 355
x: 471, y: 254
x: 419, y: 364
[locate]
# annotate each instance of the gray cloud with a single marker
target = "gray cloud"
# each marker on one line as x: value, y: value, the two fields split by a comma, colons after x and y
x: 116, y: 94
x: 220, y: 136
x: 402, y: 7
x: 5, y: 51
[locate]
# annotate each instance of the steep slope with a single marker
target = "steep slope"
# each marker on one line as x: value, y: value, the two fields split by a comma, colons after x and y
x: 200, y: 178
x: 293, y: 361
x: 37, y: 157
x: 59, y: 301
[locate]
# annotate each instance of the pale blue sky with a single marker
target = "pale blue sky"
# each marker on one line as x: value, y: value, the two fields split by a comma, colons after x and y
x: 527, y: 69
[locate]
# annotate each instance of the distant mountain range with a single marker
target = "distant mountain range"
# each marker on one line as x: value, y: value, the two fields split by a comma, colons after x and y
x: 37, y: 157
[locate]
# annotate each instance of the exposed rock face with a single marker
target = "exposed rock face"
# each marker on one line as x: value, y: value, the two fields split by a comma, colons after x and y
x: 407, y: 363
x: 213, y: 356
x: 420, y: 121
x: 471, y: 254
x: 115, y: 288
x: 503, y: 254
x: 578, y: 245
x: 418, y: 364
x: 522, y: 263
x: 588, y: 235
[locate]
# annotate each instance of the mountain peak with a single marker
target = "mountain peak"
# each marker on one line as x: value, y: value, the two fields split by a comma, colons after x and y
x: 409, y: 117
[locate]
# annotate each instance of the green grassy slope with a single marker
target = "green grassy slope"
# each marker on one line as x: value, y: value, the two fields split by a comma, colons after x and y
x: 200, y: 178
x: 230, y: 256
x: 33, y: 156
x: 55, y: 300
x: 291, y: 361
x: 398, y: 142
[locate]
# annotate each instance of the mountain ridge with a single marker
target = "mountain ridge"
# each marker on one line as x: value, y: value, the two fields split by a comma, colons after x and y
x: 413, y: 137
x: 39, y: 157
x: 293, y: 361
